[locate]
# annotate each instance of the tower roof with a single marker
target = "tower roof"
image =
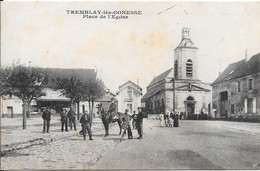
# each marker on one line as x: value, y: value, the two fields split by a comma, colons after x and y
x: 186, y: 41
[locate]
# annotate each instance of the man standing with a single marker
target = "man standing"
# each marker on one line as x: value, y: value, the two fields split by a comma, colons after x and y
x: 85, y: 121
x: 139, y: 123
x: 112, y: 109
x: 126, y: 125
x: 64, y: 120
x: 46, y: 116
x: 134, y: 116
x: 72, y: 118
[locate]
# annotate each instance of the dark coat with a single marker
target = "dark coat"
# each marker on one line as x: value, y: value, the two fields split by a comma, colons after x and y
x: 112, y: 108
x: 46, y: 115
x: 71, y: 114
x: 140, y: 117
x: 85, y: 119
x: 63, y: 117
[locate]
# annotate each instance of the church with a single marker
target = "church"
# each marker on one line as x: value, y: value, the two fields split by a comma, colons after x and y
x: 179, y: 88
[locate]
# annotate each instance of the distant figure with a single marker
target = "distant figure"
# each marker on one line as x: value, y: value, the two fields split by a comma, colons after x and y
x: 46, y: 116
x: 161, y: 118
x: 139, y: 123
x: 72, y: 119
x: 85, y: 121
x: 176, y: 120
x: 64, y: 120
x: 170, y: 122
x: 134, y: 117
x: 126, y: 126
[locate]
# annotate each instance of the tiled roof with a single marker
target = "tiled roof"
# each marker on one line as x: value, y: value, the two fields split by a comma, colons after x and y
x: 240, y: 69
x: 160, y: 77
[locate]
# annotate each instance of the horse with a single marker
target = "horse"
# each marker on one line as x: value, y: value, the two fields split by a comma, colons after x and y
x: 107, y: 118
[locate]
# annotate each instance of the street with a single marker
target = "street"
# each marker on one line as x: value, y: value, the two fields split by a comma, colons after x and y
x: 193, y: 145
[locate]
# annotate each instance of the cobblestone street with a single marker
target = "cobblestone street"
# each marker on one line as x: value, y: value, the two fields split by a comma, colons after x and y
x: 71, y: 153
x: 194, y: 145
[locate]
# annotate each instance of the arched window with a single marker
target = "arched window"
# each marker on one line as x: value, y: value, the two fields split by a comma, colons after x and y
x: 190, y: 98
x: 189, y: 68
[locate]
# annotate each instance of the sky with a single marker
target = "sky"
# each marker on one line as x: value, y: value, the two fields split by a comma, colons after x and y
x: 137, y: 48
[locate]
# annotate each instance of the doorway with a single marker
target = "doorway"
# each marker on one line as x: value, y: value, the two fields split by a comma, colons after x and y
x: 10, y: 111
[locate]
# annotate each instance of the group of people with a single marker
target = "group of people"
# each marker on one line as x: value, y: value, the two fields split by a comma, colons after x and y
x: 137, y: 123
x: 169, y: 120
x: 68, y: 117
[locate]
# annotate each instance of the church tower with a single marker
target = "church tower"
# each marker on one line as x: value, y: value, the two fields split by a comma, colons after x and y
x: 185, y: 58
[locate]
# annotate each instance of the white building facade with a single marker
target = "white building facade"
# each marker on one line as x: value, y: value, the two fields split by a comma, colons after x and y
x: 129, y: 97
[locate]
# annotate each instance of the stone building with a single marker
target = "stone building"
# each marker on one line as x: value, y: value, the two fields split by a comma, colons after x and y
x: 179, y: 88
x: 129, y: 97
x: 236, y: 90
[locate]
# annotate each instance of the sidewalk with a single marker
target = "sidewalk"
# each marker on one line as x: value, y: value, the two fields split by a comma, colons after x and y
x: 13, y: 137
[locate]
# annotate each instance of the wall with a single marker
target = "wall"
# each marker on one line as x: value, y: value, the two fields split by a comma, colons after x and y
x: 238, y: 98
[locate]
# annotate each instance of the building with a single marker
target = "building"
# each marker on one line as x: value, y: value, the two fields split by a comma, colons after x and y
x: 11, y: 106
x: 236, y: 90
x: 129, y: 97
x: 179, y: 88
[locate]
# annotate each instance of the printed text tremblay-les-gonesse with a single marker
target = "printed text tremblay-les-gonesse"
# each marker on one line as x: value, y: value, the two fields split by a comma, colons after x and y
x: 116, y: 14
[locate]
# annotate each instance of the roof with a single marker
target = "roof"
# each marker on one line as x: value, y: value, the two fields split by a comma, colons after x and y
x: 150, y: 94
x: 240, y: 69
x: 81, y: 73
x: 138, y: 88
x: 52, y: 95
x: 160, y: 77
x: 186, y: 43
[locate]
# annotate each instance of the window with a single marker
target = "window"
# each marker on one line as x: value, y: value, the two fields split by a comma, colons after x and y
x: 176, y: 69
x: 129, y: 107
x: 250, y: 105
x: 189, y: 68
x: 250, y: 84
x: 129, y: 94
x: 239, y: 86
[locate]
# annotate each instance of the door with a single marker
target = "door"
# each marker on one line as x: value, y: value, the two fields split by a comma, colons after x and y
x: 224, y: 104
x: 190, y: 108
x: 10, y: 111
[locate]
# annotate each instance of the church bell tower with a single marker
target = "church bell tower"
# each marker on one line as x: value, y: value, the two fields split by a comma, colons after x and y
x: 185, y: 58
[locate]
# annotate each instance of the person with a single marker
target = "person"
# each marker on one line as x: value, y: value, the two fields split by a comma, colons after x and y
x: 139, y: 123
x: 161, y: 118
x: 85, y: 121
x: 166, y: 118
x: 126, y: 125
x: 46, y: 116
x: 134, y: 117
x: 112, y: 109
x: 72, y: 118
x: 176, y: 120
x: 64, y: 120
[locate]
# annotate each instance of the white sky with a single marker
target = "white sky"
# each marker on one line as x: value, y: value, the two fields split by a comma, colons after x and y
x: 137, y: 48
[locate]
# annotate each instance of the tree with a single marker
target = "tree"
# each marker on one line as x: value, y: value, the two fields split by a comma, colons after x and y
x: 71, y: 88
x: 80, y: 89
x: 23, y: 82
